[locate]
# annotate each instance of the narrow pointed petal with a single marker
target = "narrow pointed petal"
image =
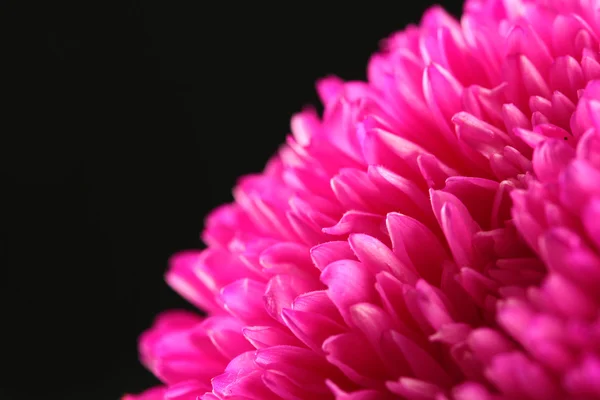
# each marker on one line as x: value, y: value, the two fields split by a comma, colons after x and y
x: 349, y: 284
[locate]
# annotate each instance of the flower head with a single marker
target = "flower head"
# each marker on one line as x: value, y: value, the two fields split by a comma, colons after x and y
x: 434, y: 235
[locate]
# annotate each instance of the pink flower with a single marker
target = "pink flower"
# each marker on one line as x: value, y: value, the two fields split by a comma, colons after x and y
x: 434, y: 235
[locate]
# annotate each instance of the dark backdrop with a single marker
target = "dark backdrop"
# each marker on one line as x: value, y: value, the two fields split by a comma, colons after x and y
x: 122, y: 126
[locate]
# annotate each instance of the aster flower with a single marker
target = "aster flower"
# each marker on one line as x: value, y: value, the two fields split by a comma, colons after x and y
x: 433, y: 235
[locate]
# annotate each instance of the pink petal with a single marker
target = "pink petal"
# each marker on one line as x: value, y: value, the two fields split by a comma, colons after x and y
x: 377, y: 257
x: 349, y: 283
x: 367, y: 394
x: 584, y: 380
x: 588, y: 148
x: 476, y: 194
x: 317, y: 302
x: 458, y: 226
x: 282, y: 386
x: 409, y: 237
x: 356, y: 221
x: 487, y: 343
x: 516, y: 376
x: 282, y: 290
x: 311, y: 328
x: 451, y: 333
x: 301, y: 366
x: 444, y: 101
x: 550, y: 158
x: 283, y: 258
x: 472, y: 391
x: 566, y: 76
x: 393, y: 294
x: 244, y: 300
x: 565, y: 253
x: 393, y: 152
x: 185, y: 390
x: 182, y: 277
x: 577, y: 184
x: 479, y: 135
x: 414, y: 389
x: 591, y: 214
x: 408, y: 197
x: 226, y: 335
x: 329, y: 88
x: 356, y: 360
x: 241, y: 380
x: 324, y: 254
x: 423, y: 365
x: 268, y: 336
x: 434, y: 171
x: 305, y: 126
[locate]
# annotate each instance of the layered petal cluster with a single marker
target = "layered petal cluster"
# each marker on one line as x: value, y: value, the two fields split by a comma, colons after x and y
x: 434, y: 235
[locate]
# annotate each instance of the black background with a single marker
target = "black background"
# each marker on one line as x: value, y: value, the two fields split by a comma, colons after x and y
x: 122, y: 126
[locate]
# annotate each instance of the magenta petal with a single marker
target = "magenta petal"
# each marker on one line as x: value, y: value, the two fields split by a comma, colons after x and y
x: 479, y: 135
x: 452, y: 333
x: 434, y: 305
x: 591, y: 216
x: 355, y: 359
x: 281, y: 292
x: 393, y: 152
x: 551, y: 157
x: 414, y: 389
x: 348, y: 284
x: 444, y: 100
x: 186, y: 390
x: 396, y: 301
x: 300, y: 365
x: 226, y: 335
x: 372, y: 321
x: 422, y: 364
x: 476, y: 194
x: 409, y: 237
x: 588, y: 148
x: 516, y: 375
x: 182, y: 277
x: 284, y: 257
x: 477, y: 285
x: 282, y: 386
x: 514, y: 118
x: 313, y: 329
x: 565, y: 253
x: 367, y: 394
x: 304, y: 126
x: 434, y: 171
x: 241, y: 380
x: 326, y: 253
x: 268, y: 336
x: 377, y: 257
x: 577, y: 184
x: 317, y: 302
x: 357, y: 221
x: 329, y: 88
x: 208, y: 396
x: 432, y: 235
x: 244, y: 300
x: 487, y: 343
x: 585, y: 379
x: 408, y: 197
x: 571, y: 301
x: 472, y: 391
x: 458, y: 226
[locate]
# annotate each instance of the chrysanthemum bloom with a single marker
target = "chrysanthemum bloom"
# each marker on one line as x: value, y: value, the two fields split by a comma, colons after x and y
x: 435, y: 235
